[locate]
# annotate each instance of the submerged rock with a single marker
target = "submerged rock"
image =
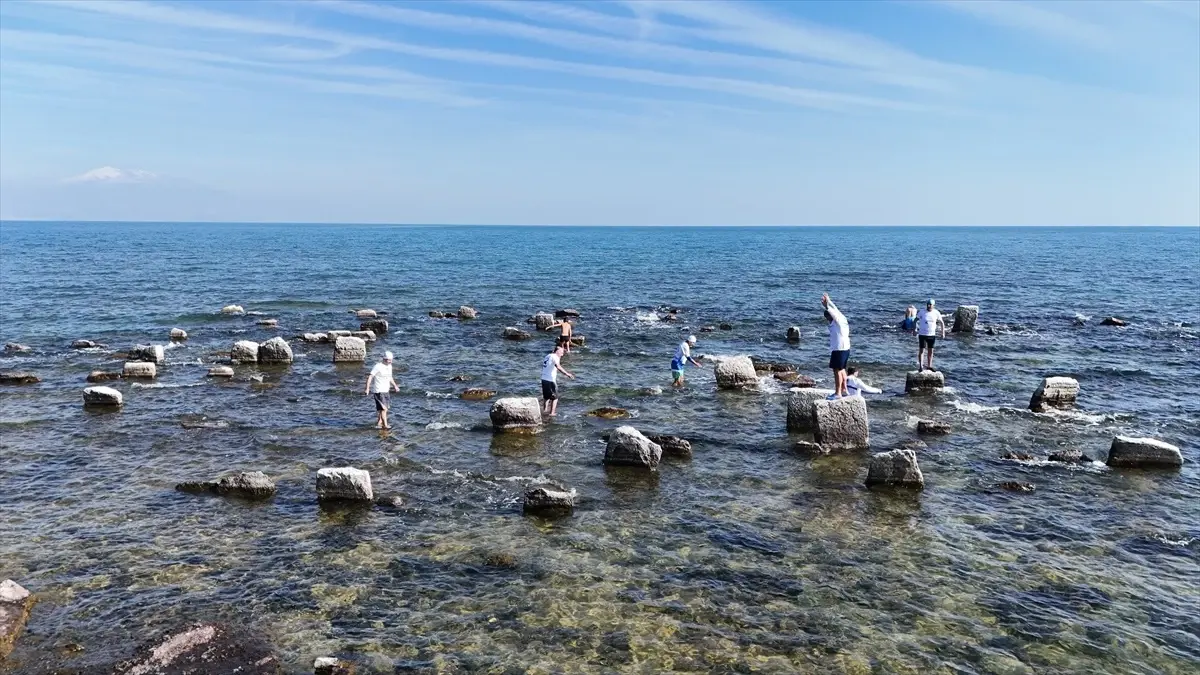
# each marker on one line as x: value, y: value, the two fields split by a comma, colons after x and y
x: 650, y: 391
x: 1132, y: 452
x: 268, y: 323
x: 244, y: 351
x: 85, y: 344
x: 514, y: 333
x: 896, y: 468
x: 578, y: 340
x: 1058, y: 392
x: 344, y: 483
x: 773, y: 366
x: 460, y: 378
x: 102, y: 397
x: 964, y: 319
x: 924, y: 381
x: 349, y: 350
x: 1069, y: 456
x: 708, y: 329
x: 735, y: 373
x: 725, y: 326
x: 376, y: 326
x: 932, y: 427
x: 567, y: 313
x: 203, y: 649
x: 15, y: 348
x: 220, y: 371
x: 178, y: 334
x: 232, y: 309
x: 15, y: 605
x: 793, y: 334
x: 796, y: 379
x: 328, y: 665
x: 509, y: 414
x: 672, y: 446
x: 151, y: 353
x: 477, y: 394
x: 628, y: 447
x: 466, y: 312
x: 1017, y: 456
x: 437, y: 315
x: 543, y: 320
x: 102, y: 376
x: 1114, y: 321
x: 365, y: 314
x: 1015, y: 486
x: 19, y: 378
x: 610, y: 413
x: 139, y: 369
x: 275, y: 350
x: 548, y: 501
x: 800, y: 407
x: 244, y: 484
x: 841, y: 424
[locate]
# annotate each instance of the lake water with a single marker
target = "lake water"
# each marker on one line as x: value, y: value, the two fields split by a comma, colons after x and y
x: 750, y: 557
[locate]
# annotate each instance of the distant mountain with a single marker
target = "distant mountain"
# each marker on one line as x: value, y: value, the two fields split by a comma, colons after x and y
x: 111, y: 174
x: 110, y: 193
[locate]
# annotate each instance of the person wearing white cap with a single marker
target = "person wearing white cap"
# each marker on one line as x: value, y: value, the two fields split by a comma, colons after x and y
x: 928, y: 321
x: 683, y: 356
x: 379, y: 384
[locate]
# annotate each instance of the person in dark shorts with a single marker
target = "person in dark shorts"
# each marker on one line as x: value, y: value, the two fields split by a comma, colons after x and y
x: 839, y: 345
x: 379, y: 384
x: 551, y: 367
x: 564, y: 338
x: 928, y: 321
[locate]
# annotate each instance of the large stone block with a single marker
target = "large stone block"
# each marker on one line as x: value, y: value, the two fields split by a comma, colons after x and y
x: 514, y: 413
x: 1146, y: 453
x: 139, y: 369
x: 841, y: 424
x: 15, y: 604
x: 964, y: 318
x: 244, y: 351
x: 349, y: 350
x: 800, y: 407
x: 543, y: 320
x: 1054, y: 391
x: 275, y: 350
x: 376, y: 326
x: 549, y: 501
x: 102, y: 397
x: 736, y: 373
x: 466, y: 312
x: 672, y: 446
x: 628, y: 447
x: 344, y: 483
x: 897, y: 468
x: 922, y: 381
x: 151, y: 353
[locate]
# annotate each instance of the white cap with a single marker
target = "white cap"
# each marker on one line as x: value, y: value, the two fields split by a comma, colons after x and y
x: 692, y: 339
x: 387, y: 356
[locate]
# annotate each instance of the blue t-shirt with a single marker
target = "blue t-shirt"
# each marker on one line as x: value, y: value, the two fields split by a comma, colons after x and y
x: 909, y: 323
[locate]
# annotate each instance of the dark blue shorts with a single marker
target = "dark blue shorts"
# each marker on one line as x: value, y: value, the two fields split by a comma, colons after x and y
x: 926, y: 341
x: 839, y: 359
x: 549, y: 390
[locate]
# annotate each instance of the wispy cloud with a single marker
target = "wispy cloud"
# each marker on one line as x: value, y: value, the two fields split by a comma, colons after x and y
x: 1039, y: 20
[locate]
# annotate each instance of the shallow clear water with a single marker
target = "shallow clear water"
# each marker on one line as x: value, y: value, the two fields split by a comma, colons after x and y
x: 747, y: 558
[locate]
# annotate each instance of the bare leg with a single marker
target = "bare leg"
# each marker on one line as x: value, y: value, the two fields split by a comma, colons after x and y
x: 841, y: 383
x: 920, y: 353
x: 383, y: 416
x: 553, y: 407
x: 929, y: 358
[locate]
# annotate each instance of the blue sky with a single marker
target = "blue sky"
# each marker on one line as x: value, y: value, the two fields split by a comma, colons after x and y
x: 491, y: 111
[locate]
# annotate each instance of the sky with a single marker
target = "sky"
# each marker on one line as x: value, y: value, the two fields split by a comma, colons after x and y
x: 592, y: 113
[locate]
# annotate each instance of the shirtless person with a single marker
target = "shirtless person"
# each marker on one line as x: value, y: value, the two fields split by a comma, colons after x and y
x: 564, y: 338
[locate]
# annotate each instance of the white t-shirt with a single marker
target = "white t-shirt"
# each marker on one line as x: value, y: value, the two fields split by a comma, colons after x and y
x: 381, y: 378
x: 927, y: 321
x: 855, y: 387
x: 839, y: 330
x: 683, y: 352
x: 550, y: 368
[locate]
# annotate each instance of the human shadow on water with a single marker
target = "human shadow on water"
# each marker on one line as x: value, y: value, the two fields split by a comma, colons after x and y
x: 515, y: 444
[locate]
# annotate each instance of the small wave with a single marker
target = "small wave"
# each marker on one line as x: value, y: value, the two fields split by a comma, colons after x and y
x: 1184, y: 542
x: 174, y: 345
x: 615, y: 308
x: 161, y: 385
x: 648, y: 317
x: 1077, y: 416
x: 438, y: 426
x: 1093, y: 467
x: 434, y: 394
x: 975, y: 408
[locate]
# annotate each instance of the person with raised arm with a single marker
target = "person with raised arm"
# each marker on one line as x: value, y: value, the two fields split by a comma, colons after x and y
x: 839, y: 345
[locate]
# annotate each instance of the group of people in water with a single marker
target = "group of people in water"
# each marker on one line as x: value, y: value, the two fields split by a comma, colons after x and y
x: 925, y: 324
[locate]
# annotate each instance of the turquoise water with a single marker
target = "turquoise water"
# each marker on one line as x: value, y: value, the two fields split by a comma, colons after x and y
x: 747, y: 558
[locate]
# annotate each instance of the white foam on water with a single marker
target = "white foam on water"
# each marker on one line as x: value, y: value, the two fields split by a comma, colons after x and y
x: 160, y: 385
x: 650, y: 317
x: 1174, y: 542
x: 910, y: 421
x: 615, y: 308
x: 975, y: 408
x: 1076, y: 416
x: 437, y: 426
x: 174, y: 345
x: 769, y: 385
x: 434, y: 394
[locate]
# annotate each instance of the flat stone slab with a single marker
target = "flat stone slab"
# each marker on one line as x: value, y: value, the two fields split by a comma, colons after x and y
x: 896, y: 468
x: 1146, y: 453
x: 924, y: 381
x: 203, y: 649
x: 19, y: 378
x: 1054, y: 391
x: 139, y: 369
x: 841, y: 424
x: 15, y: 605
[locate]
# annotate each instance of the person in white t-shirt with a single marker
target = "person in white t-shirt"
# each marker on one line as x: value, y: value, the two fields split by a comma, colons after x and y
x: 928, y: 321
x: 379, y: 384
x: 551, y: 367
x: 855, y: 386
x: 839, y: 345
x: 683, y: 356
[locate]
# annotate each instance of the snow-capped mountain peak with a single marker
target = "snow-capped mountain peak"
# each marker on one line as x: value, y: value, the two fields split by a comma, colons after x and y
x: 111, y: 174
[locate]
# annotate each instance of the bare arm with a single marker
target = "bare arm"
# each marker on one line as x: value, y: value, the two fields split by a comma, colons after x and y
x: 564, y: 371
x: 370, y: 377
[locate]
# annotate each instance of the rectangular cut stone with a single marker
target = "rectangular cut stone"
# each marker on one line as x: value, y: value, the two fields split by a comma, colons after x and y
x: 15, y: 604
x: 800, y: 407
x: 898, y: 468
x: 841, y: 424
x: 924, y: 380
x: 143, y: 369
x: 349, y: 350
x: 344, y: 483
x: 1055, y: 391
x: 1143, y: 453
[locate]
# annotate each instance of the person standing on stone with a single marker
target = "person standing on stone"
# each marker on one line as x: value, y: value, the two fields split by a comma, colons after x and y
x: 551, y: 367
x: 909, y: 323
x: 379, y: 384
x: 928, y: 321
x: 839, y: 345
x: 855, y: 386
x: 564, y: 338
x: 683, y: 356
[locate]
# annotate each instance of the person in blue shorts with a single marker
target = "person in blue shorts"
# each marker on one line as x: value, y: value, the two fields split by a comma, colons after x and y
x: 683, y: 356
x: 839, y: 345
x: 909, y: 323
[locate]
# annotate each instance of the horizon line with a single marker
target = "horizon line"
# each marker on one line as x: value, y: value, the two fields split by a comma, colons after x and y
x: 561, y: 225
